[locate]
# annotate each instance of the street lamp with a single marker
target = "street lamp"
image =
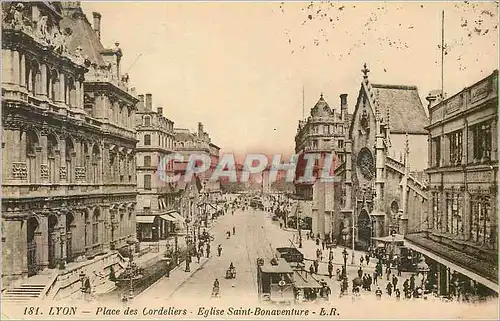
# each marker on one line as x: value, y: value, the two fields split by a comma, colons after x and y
x: 345, y: 254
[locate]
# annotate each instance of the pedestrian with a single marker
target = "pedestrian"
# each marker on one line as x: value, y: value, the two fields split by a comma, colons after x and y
x: 378, y: 293
x: 389, y: 288
x: 406, y: 287
x: 388, y: 272
x: 311, y: 269
x: 330, y: 255
x: 208, y: 250
x: 361, y: 259
x: 316, y: 266
x: 234, y: 230
x: 360, y: 272
x: 330, y: 269
x: 323, y: 245
x: 412, y: 282
x: 219, y: 250
x: 400, y: 268
x: 397, y: 293
x: 198, y: 256
x: 394, y: 281
x: 367, y: 259
x: 375, y: 277
x: 370, y: 282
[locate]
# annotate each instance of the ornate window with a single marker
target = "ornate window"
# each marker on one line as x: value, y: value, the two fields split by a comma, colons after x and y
x: 481, y: 141
x: 456, y: 147
x: 453, y: 214
x: 147, y: 160
x: 95, y: 227
x: 482, y: 230
x: 366, y: 163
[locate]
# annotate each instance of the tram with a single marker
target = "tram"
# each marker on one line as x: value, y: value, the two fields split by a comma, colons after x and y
x: 280, y: 282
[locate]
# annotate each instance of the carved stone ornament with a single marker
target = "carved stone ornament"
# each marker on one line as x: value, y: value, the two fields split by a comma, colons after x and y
x: 364, y: 122
x: 62, y: 172
x: 44, y: 171
x: 80, y: 173
x: 19, y: 170
x: 366, y: 163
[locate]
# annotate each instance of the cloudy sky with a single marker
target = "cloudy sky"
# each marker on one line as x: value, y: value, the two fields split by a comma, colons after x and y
x: 240, y: 67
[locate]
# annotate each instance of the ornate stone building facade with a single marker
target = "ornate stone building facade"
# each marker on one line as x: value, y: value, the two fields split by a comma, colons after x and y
x: 378, y: 194
x: 461, y: 240
x: 156, y: 198
x: 68, y: 141
x: 321, y: 133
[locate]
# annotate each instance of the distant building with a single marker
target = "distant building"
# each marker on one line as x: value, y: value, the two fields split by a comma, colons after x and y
x: 321, y: 133
x: 199, y: 143
x: 460, y: 239
x: 157, y: 218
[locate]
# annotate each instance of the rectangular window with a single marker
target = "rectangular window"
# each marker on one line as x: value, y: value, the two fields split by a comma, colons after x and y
x: 456, y: 147
x: 481, y: 140
x: 147, y: 182
x: 147, y: 140
x: 147, y: 160
x: 341, y: 144
x: 436, y: 144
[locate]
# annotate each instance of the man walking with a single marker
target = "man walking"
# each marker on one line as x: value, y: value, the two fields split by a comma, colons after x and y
x: 330, y: 269
x: 208, y: 250
x: 219, y: 250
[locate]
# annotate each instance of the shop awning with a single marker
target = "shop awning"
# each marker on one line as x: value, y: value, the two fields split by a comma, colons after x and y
x: 168, y: 217
x: 177, y: 217
x: 478, y: 270
x: 149, y: 219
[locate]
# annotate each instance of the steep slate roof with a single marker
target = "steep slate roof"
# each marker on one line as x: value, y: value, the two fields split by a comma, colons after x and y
x: 321, y: 109
x: 407, y: 113
x: 82, y: 35
x: 183, y: 136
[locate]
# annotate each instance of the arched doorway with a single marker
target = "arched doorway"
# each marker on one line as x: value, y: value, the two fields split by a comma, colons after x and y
x: 69, y: 237
x: 32, y: 227
x: 52, y: 241
x: 364, y: 229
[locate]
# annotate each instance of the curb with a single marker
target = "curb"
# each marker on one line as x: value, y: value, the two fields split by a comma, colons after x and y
x: 186, y: 279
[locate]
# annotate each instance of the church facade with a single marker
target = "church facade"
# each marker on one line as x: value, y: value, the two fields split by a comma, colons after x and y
x: 381, y: 190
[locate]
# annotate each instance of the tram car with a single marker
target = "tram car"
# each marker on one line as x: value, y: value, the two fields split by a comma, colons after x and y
x: 280, y: 283
x: 275, y: 281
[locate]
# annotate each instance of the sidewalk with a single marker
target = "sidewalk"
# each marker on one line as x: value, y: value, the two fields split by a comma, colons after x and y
x: 177, y: 276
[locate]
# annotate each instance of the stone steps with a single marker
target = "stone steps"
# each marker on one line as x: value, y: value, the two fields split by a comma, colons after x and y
x: 23, y: 293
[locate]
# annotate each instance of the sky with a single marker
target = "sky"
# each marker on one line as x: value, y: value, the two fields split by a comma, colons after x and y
x: 240, y: 68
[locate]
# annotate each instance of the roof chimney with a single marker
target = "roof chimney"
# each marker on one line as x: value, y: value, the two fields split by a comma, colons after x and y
x: 343, y: 101
x: 200, y: 130
x: 160, y: 111
x: 149, y: 102
x: 433, y: 98
x: 140, y: 105
x: 97, y: 24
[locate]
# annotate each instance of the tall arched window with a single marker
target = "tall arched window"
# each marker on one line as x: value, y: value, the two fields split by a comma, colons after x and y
x: 70, y: 153
x: 35, y: 78
x: 32, y: 143
x: 95, y: 227
x: 51, y: 157
x: 95, y: 164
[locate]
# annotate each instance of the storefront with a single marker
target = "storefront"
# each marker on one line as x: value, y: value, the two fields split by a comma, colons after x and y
x: 456, y: 274
x: 152, y: 228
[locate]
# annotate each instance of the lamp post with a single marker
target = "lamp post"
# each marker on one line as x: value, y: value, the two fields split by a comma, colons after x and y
x: 345, y: 254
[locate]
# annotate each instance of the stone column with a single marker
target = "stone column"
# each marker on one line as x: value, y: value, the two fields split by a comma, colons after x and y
x: 15, y: 67
x: 106, y: 237
x: 62, y: 161
x: 44, y: 166
x: 43, y: 74
x: 42, y: 242
x: 62, y: 238
x: 7, y: 71
x: 23, y: 70
x: 60, y: 96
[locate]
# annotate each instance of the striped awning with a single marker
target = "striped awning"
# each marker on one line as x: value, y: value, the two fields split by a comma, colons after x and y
x: 168, y: 217
x: 148, y: 219
x: 177, y: 216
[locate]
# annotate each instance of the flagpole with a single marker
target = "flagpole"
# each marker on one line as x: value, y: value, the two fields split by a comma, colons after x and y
x: 303, y: 104
x: 442, y: 55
